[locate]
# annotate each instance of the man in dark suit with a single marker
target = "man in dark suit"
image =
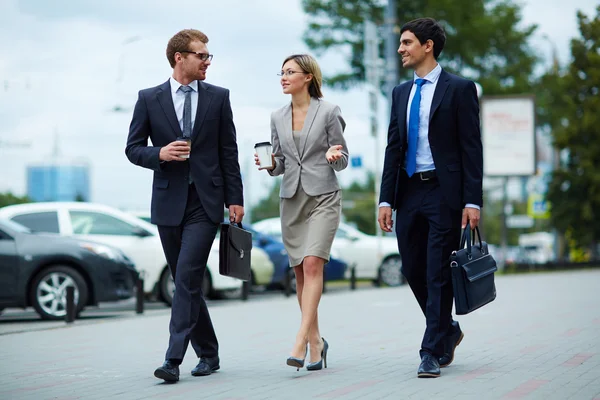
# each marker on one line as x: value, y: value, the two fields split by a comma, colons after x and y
x: 432, y: 177
x: 191, y: 184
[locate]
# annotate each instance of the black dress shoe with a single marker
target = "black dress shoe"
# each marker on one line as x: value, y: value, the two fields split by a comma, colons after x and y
x: 429, y: 368
x: 169, y: 372
x: 206, y: 366
x: 450, y: 343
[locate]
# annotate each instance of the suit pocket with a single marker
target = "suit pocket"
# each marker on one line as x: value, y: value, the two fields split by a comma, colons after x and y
x: 161, y: 183
x: 454, y: 167
x: 217, y: 181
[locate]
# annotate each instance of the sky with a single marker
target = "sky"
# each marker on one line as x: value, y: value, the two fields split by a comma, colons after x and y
x: 65, y: 66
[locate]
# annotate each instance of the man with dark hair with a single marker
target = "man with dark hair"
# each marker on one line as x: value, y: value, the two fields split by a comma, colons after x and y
x: 194, y: 157
x: 432, y: 177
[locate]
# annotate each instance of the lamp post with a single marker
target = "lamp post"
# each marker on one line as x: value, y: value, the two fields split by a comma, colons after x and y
x: 120, y: 65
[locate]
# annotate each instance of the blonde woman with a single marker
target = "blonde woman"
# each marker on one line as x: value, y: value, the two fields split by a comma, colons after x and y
x: 308, y: 149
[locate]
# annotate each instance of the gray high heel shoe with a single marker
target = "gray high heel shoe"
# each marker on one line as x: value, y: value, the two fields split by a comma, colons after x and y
x: 297, y: 362
x: 315, y: 366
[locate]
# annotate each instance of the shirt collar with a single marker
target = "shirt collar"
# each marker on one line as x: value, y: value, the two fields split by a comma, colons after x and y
x: 431, y: 77
x: 175, y: 85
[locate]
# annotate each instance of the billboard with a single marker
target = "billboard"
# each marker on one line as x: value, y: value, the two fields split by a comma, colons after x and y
x: 508, y: 135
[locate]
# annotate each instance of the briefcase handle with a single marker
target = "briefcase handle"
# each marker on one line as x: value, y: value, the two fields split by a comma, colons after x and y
x: 466, y: 238
x: 239, y: 224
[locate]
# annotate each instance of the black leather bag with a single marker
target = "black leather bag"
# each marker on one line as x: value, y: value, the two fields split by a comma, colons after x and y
x: 235, y: 248
x: 473, y: 270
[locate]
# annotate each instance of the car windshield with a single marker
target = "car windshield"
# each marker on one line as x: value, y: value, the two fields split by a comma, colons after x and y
x: 14, y: 226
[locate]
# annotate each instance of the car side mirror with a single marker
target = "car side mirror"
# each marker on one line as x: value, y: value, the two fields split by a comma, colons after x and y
x: 140, y: 232
x: 352, y: 238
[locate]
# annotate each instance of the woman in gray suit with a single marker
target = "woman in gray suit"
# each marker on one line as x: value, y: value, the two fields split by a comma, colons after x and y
x: 308, y: 148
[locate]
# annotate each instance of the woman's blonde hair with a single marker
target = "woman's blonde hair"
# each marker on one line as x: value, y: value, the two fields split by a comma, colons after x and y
x: 310, y: 66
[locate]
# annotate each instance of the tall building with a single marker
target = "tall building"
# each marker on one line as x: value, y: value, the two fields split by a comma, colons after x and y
x: 58, y: 182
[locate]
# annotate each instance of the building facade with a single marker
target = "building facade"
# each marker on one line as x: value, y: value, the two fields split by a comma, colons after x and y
x: 58, y: 182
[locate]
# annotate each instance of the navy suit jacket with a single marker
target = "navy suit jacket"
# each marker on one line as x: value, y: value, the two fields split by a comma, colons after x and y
x: 454, y: 139
x: 213, y: 162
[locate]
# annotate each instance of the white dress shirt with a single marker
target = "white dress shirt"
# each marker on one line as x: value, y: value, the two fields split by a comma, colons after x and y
x: 424, y: 157
x: 179, y: 99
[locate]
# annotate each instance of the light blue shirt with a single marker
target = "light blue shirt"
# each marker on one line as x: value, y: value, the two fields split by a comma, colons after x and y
x: 424, y: 157
x: 179, y: 99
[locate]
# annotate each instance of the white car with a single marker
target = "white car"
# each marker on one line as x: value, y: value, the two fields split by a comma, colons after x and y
x: 138, y: 239
x: 372, y: 260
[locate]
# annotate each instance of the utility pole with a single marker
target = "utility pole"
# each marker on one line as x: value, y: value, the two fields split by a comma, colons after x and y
x: 392, y: 42
x: 371, y: 39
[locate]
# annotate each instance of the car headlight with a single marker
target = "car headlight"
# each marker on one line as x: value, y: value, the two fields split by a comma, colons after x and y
x: 102, y: 250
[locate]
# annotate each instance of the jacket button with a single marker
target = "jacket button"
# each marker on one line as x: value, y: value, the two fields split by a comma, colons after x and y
x: 298, y: 163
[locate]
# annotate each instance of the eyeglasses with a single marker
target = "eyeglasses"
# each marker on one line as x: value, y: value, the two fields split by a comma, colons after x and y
x: 289, y: 72
x: 202, y: 56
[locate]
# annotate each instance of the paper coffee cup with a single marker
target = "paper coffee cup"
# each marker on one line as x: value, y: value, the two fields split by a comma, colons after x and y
x: 264, y: 151
x: 188, y: 141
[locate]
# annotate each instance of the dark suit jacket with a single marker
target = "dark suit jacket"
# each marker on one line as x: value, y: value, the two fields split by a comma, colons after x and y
x: 213, y: 161
x: 454, y: 139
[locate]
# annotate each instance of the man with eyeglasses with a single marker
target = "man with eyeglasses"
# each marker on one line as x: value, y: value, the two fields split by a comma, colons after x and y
x: 194, y: 157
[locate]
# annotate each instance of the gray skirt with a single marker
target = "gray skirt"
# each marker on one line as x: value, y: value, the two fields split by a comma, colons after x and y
x: 309, y: 224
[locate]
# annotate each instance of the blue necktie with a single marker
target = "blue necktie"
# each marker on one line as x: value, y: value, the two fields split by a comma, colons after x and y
x: 413, y: 129
x: 187, y: 111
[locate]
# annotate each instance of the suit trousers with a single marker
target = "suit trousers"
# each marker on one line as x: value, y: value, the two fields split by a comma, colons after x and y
x: 428, y: 230
x: 186, y: 248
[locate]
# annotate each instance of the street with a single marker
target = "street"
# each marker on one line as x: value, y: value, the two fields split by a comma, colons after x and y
x: 538, y: 340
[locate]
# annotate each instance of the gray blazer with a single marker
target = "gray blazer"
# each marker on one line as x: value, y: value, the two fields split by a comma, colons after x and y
x: 323, y: 128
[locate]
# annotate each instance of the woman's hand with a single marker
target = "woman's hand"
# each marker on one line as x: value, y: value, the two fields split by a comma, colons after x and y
x: 257, y: 162
x: 334, y: 153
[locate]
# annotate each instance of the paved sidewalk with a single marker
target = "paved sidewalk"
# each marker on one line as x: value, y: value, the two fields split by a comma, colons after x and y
x: 538, y: 340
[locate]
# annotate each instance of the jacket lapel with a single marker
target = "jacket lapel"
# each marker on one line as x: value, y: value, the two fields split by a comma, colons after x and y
x: 204, y: 99
x: 313, y: 108
x: 438, y: 95
x: 287, y: 130
x: 166, y: 103
x: 401, y: 111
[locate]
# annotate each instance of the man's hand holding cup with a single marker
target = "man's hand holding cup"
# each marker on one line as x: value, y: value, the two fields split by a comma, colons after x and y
x: 179, y: 150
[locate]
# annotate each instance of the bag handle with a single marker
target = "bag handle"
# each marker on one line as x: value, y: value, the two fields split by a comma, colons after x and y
x: 466, y: 238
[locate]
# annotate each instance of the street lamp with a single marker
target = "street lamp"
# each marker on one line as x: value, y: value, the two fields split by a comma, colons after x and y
x: 120, y: 65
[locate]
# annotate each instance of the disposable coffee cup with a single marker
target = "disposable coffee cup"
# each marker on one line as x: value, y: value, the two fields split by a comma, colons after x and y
x: 264, y: 151
x: 188, y: 141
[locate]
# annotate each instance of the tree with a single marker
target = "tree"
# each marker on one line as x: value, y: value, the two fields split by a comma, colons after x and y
x: 269, y: 206
x: 361, y: 197
x: 574, y: 191
x: 484, y: 39
x: 7, y: 199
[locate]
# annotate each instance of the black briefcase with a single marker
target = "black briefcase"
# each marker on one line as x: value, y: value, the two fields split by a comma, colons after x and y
x: 234, y: 252
x: 473, y: 270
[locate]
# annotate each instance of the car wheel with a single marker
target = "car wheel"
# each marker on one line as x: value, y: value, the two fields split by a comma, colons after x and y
x: 292, y: 280
x: 390, y: 273
x: 167, y: 287
x: 49, y: 292
x: 207, y: 288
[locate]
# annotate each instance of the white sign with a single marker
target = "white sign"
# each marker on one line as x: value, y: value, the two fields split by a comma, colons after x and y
x: 519, y: 221
x: 508, y: 136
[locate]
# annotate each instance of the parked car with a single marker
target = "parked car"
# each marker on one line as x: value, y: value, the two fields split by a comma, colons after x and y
x: 36, y: 269
x: 335, y: 268
x: 138, y: 239
x: 359, y: 249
